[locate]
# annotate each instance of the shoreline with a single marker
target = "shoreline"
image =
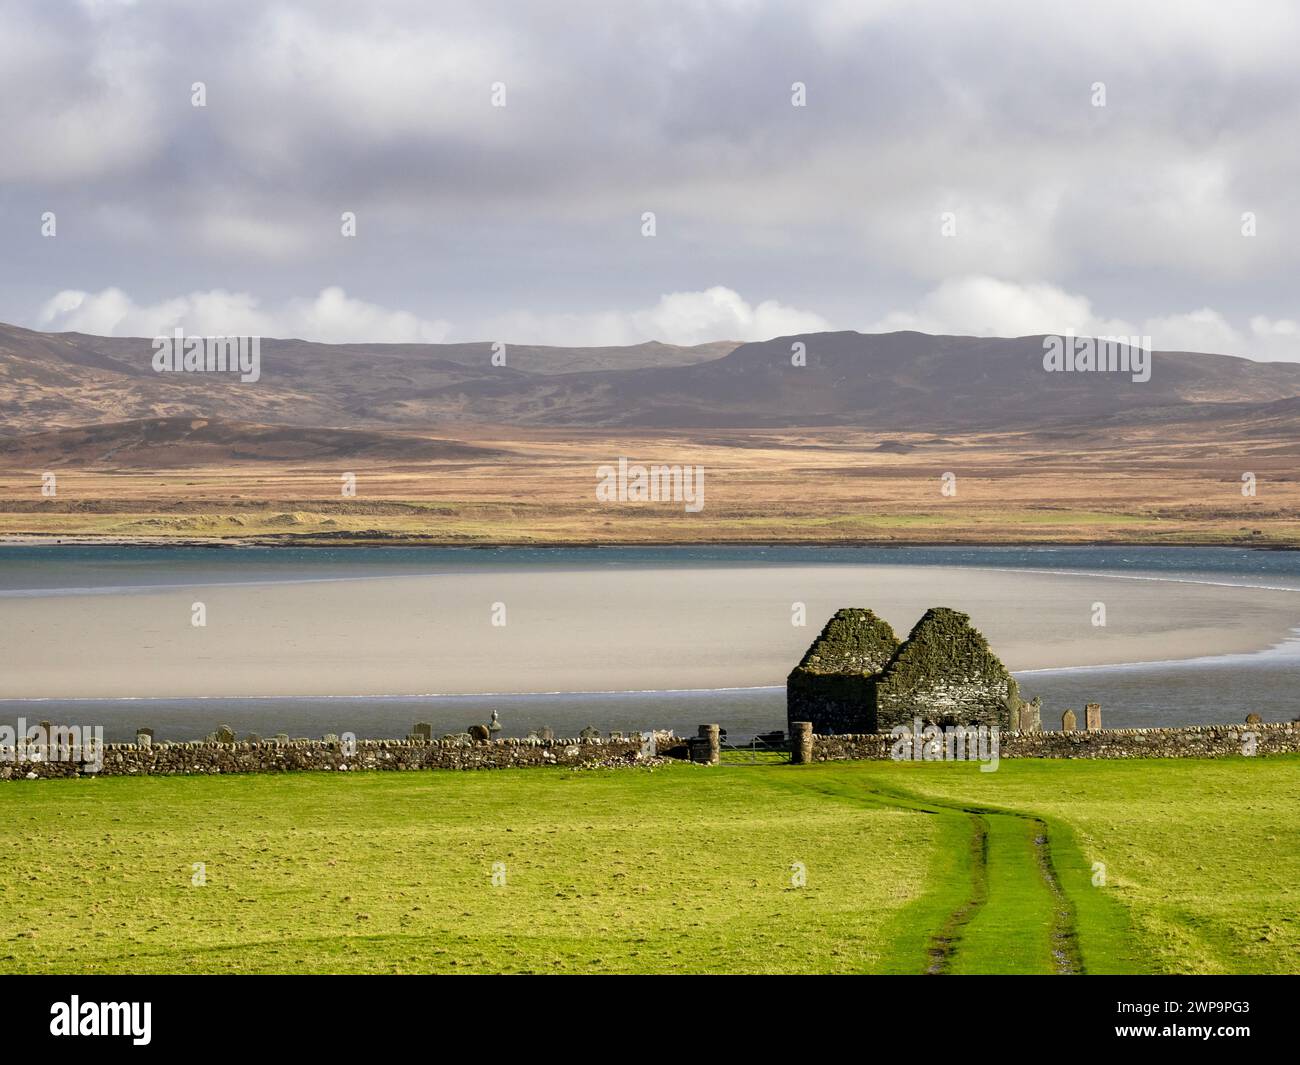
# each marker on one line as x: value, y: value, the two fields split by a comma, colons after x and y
x: 311, y: 541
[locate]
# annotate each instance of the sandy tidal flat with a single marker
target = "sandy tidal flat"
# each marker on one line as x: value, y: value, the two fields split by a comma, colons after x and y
x: 613, y: 629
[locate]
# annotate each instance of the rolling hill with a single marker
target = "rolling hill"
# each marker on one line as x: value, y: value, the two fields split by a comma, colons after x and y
x: 165, y: 443
x: 897, y: 381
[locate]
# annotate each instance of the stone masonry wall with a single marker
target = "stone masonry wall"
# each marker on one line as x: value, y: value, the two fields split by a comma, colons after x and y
x: 945, y: 673
x: 832, y: 703
x: 204, y: 758
x: 1199, y: 741
x: 271, y: 756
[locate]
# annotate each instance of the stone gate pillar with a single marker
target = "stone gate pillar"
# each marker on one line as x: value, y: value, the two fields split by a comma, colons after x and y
x: 713, y: 733
x: 801, y: 743
x: 706, y: 748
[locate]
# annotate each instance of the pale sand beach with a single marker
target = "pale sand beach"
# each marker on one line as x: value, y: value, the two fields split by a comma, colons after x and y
x: 611, y: 629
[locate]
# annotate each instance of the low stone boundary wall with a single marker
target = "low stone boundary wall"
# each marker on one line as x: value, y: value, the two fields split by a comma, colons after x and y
x: 1196, y: 741
x: 280, y: 756
x: 277, y: 756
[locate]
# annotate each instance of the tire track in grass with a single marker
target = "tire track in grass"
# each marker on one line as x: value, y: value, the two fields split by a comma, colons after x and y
x: 1059, y: 954
x: 937, y: 949
x: 1083, y: 929
x: 1062, y: 930
x: 944, y: 943
x: 1065, y: 930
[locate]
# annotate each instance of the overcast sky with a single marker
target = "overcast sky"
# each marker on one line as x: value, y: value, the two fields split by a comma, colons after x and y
x: 523, y: 223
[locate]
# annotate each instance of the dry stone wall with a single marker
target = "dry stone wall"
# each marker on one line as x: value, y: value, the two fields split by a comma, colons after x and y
x: 1199, y: 741
x: 277, y: 756
x: 273, y: 756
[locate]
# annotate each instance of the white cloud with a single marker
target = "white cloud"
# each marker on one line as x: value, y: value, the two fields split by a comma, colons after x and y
x: 720, y: 314
x: 716, y: 313
x: 1201, y: 330
x: 333, y: 317
x: 330, y: 317
x: 967, y: 306
x: 986, y: 306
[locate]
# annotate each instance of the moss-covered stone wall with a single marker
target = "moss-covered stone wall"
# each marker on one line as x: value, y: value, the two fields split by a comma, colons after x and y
x: 832, y: 684
x: 945, y: 674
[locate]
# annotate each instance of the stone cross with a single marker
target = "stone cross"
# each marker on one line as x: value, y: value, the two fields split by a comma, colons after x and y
x: 1069, y: 722
x: 1093, y: 710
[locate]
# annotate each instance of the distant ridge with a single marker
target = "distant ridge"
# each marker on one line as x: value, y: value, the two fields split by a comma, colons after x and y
x: 161, y: 443
x: 904, y: 382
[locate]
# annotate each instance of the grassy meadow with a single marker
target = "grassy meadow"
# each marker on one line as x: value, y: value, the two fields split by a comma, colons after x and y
x: 840, y: 867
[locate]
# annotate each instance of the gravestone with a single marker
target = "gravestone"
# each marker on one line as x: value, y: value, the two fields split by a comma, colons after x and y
x: 1069, y: 722
x: 1254, y: 719
x: 423, y: 731
x: 330, y: 737
x: 1030, y: 716
x: 224, y: 734
x: 546, y: 733
x: 479, y: 733
x: 1093, y: 710
x: 144, y: 737
x: 589, y: 733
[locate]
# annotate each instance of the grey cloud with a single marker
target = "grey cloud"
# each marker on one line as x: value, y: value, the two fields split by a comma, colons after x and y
x: 470, y: 213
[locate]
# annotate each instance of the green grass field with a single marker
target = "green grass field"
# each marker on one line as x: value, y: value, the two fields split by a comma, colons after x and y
x: 840, y: 867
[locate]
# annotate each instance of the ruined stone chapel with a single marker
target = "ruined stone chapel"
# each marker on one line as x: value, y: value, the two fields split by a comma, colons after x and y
x: 858, y: 678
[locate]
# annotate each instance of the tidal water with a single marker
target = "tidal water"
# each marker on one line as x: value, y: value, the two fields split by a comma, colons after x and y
x: 1209, y: 689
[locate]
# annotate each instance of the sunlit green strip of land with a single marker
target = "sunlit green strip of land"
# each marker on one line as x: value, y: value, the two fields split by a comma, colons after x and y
x: 679, y: 869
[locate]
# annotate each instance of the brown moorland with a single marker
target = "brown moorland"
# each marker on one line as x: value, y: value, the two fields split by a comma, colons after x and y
x: 508, y: 485
x: 447, y: 448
